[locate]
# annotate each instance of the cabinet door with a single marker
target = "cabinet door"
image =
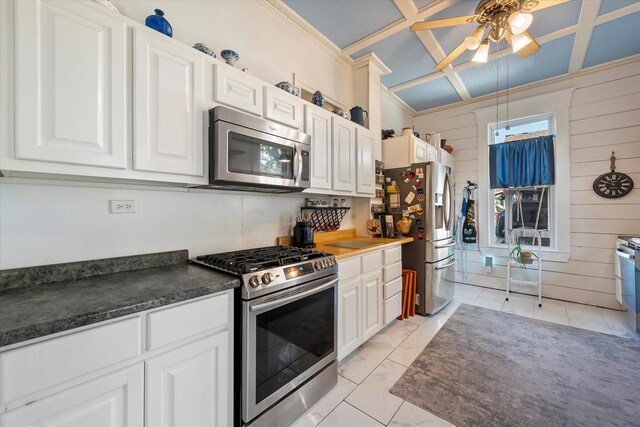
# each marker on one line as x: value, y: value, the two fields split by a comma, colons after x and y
x: 70, y: 86
x: 236, y: 89
x: 317, y: 123
x: 349, y: 316
x: 114, y: 400
x: 344, y: 153
x: 419, y: 151
x: 190, y: 386
x: 371, y: 304
x: 432, y: 153
x: 282, y: 107
x: 365, y: 180
x: 168, y: 107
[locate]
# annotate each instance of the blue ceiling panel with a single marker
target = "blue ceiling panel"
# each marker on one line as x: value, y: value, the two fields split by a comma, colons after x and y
x: 614, y: 40
x: 430, y: 94
x: 555, y: 18
x: 423, y: 3
x: 356, y: 18
x: 405, y: 54
x: 551, y: 60
x: 611, y: 5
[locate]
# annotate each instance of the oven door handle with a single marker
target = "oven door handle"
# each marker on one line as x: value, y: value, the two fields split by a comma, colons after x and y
x: 625, y: 255
x: 282, y: 301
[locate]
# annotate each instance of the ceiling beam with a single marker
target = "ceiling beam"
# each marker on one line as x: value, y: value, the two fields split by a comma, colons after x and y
x: 588, y: 16
x: 492, y: 56
x: 618, y: 13
x: 397, y: 26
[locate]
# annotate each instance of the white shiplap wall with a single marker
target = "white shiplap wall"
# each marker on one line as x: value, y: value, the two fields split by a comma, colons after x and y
x: 604, y: 117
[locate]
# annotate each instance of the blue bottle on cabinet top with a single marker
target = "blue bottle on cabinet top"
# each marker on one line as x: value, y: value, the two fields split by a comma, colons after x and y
x: 159, y: 23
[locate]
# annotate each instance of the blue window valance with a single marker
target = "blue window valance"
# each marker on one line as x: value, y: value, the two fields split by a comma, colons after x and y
x: 525, y: 163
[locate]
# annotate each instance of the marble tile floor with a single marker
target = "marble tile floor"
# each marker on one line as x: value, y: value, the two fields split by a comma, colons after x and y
x: 362, y: 396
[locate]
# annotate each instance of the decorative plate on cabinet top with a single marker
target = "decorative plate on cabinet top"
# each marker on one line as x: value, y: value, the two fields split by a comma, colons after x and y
x: 204, y: 49
x: 229, y: 56
x: 108, y: 5
x: 288, y: 87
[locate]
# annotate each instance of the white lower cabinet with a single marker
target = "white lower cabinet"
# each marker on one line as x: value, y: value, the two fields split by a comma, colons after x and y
x: 371, y: 308
x: 349, y: 316
x: 111, y: 378
x: 363, y: 306
x: 110, y: 401
x: 184, y: 385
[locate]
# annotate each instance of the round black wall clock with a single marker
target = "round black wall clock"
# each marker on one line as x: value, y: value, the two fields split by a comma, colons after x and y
x: 613, y: 185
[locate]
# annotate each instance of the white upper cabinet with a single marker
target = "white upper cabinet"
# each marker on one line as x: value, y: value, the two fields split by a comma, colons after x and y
x: 70, y: 85
x: 282, y: 107
x: 344, y: 155
x: 406, y: 149
x: 237, y: 89
x: 317, y: 123
x: 168, y: 107
x: 365, y: 170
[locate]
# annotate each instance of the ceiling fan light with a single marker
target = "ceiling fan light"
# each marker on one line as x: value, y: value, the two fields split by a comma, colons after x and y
x: 519, y: 22
x: 472, y: 41
x: 482, y: 54
x: 518, y: 41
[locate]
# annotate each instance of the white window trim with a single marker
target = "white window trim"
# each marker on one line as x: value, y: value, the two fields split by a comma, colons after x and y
x: 558, y: 103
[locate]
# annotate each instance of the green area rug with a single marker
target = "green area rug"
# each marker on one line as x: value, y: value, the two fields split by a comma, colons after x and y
x: 489, y: 368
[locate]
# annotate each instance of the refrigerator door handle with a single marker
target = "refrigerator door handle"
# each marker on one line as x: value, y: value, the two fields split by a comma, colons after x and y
x: 447, y: 193
x: 447, y: 265
x: 448, y: 245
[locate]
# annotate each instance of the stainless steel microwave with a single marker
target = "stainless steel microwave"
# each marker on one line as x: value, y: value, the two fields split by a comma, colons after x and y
x: 250, y: 153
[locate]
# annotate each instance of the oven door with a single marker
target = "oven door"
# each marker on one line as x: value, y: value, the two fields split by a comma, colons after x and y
x: 288, y: 337
x: 246, y: 156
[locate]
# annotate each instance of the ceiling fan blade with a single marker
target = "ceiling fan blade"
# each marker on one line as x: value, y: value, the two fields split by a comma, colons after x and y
x: 451, y: 57
x: 543, y: 4
x: 529, y: 49
x: 439, y: 23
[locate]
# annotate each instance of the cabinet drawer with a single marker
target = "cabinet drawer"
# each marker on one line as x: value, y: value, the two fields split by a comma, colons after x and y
x: 393, y: 255
x: 37, y: 367
x: 371, y: 261
x: 392, y: 308
x: 238, y: 90
x: 282, y: 107
x: 186, y: 320
x: 349, y: 268
x: 392, y: 272
x: 392, y: 288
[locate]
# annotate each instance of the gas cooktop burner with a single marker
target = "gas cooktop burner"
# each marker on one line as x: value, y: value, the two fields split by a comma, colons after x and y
x: 251, y: 260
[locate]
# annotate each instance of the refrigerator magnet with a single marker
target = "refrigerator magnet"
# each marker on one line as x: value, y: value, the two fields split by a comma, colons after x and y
x: 420, y: 197
x: 409, y: 197
x: 420, y: 172
x: 416, y: 186
x: 411, y: 175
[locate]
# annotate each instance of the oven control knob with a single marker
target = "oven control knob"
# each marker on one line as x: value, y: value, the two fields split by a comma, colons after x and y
x: 254, y: 282
x: 267, y: 278
x: 317, y: 265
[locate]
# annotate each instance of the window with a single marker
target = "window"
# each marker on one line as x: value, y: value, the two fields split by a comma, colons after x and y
x: 526, y: 206
x: 552, y: 107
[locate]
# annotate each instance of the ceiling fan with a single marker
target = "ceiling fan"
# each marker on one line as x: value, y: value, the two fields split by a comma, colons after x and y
x: 508, y: 19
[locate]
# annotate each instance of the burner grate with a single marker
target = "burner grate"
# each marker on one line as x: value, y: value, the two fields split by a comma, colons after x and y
x: 248, y: 261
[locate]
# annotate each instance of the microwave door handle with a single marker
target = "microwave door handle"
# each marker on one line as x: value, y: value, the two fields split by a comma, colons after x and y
x: 297, y: 166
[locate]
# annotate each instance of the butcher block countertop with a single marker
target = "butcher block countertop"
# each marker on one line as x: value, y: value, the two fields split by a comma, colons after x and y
x: 325, y: 240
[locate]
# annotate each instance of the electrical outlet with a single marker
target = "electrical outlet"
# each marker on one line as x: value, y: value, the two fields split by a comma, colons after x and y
x: 122, y: 206
x: 417, y: 299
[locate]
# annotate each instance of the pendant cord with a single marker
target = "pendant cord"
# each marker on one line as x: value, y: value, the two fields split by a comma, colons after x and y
x: 497, y: 96
x: 508, y: 127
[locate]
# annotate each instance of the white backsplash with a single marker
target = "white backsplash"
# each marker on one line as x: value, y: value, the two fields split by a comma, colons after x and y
x: 48, y: 222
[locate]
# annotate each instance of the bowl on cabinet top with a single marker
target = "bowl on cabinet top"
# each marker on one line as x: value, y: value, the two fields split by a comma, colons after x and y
x: 288, y: 87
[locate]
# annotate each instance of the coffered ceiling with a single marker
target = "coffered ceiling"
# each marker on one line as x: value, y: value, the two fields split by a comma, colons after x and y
x: 574, y: 35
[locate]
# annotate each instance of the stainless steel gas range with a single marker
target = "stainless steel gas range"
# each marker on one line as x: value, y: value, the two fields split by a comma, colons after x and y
x: 285, y: 328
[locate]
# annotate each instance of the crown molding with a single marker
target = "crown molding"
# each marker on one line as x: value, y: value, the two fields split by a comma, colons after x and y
x: 371, y: 60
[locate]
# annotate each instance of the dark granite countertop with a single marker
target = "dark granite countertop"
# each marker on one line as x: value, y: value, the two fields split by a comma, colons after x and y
x: 32, y: 311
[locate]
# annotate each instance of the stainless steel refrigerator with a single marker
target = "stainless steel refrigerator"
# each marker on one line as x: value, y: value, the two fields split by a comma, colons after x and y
x: 424, y: 191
